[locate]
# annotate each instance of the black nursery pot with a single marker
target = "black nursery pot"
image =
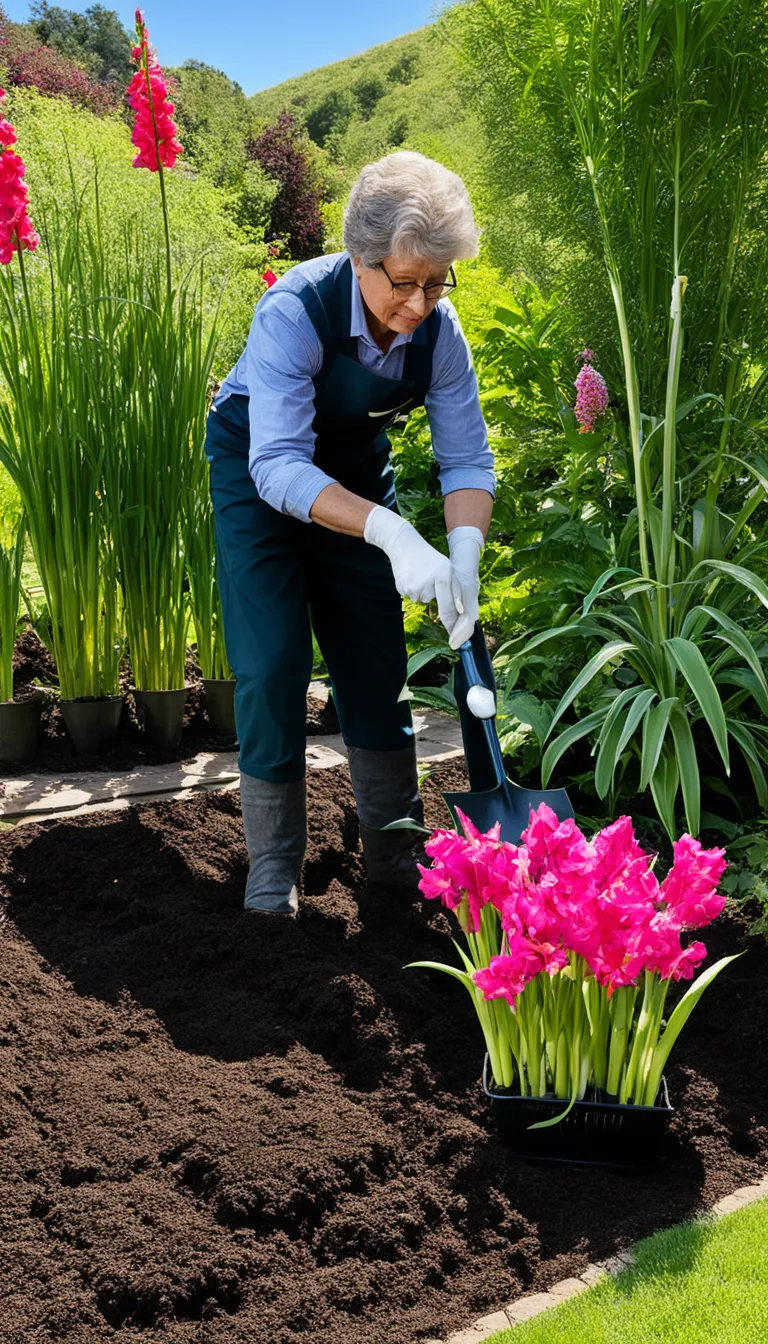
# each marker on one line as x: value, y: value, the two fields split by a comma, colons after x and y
x: 220, y: 703
x: 20, y: 728
x: 92, y: 722
x: 163, y: 715
x: 594, y: 1133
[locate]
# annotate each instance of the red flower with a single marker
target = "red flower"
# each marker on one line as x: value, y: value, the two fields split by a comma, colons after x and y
x: 16, y: 231
x: 154, y: 131
x: 269, y: 279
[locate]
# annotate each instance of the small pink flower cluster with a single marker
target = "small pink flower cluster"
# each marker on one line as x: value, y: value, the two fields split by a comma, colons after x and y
x: 154, y: 131
x: 591, y: 394
x: 558, y: 893
x: 16, y: 231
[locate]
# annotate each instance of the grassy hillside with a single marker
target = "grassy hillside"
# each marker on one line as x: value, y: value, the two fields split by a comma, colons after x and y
x: 404, y: 94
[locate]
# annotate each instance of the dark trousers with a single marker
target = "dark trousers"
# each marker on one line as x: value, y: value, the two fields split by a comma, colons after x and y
x: 280, y: 579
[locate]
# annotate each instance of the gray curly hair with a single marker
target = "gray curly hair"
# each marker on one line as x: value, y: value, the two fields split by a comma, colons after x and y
x: 407, y: 205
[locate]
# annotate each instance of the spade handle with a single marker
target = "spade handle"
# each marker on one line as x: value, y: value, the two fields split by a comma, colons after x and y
x: 488, y: 720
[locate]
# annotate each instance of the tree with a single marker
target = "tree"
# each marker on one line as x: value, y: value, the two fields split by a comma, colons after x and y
x: 214, y: 120
x: 367, y: 92
x: 405, y: 68
x: 97, y: 39
x: 331, y: 115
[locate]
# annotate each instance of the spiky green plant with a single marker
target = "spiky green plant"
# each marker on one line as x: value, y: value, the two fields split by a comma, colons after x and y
x: 12, y: 539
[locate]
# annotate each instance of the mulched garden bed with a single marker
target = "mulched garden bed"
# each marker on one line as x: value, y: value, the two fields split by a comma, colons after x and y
x: 33, y: 665
x: 220, y: 1127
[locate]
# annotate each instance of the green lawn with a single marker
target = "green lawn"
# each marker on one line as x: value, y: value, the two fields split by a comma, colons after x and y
x: 700, y: 1283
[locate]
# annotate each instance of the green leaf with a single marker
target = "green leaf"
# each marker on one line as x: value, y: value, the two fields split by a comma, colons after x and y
x: 636, y: 713
x: 678, y: 1020
x: 422, y: 657
x: 600, y: 583
x: 605, y: 655
x: 746, y: 681
x: 617, y: 705
x: 530, y: 712
x: 691, y: 663
x: 462, y: 976
x: 566, y: 739
x: 737, y: 572
x: 579, y: 627
x: 688, y: 767
x: 607, y: 758
x: 654, y: 729
x: 741, y: 734
x: 469, y: 965
x: 664, y: 783
x: 406, y: 824
x: 734, y: 635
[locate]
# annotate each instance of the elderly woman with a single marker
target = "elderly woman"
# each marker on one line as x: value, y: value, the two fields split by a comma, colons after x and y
x: 308, y: 533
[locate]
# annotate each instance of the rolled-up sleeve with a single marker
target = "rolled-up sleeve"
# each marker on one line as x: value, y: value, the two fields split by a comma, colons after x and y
x: 459, y: 434
x: 282, y: 356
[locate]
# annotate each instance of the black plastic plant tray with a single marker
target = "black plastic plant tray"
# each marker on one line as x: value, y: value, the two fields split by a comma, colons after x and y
x: 595, y: 1132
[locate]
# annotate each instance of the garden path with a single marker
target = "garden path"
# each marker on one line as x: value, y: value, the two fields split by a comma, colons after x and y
x: 33, y: 797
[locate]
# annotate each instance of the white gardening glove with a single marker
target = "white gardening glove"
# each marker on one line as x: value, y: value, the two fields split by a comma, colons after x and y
x: 420, y: 571
x: 466, y: 546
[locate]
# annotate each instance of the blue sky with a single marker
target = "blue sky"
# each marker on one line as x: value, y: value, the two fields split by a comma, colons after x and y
x: 262, y: 44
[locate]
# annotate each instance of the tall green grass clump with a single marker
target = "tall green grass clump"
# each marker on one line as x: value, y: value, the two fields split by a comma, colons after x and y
x: 56, y: 361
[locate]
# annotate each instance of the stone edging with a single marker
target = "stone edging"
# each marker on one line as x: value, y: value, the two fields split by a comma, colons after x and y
x: 526, y: 1308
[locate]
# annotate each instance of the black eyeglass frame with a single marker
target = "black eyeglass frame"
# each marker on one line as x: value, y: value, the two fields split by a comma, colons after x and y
x: 445, y: 288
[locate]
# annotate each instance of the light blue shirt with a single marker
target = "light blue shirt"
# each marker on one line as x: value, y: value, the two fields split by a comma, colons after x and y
x: 284, y: 353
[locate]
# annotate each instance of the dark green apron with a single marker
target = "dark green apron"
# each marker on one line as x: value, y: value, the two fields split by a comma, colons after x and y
x: 282, y: 579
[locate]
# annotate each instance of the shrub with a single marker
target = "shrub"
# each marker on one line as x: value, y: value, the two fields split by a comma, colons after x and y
x: 28, y: 63
x: 296, y: 213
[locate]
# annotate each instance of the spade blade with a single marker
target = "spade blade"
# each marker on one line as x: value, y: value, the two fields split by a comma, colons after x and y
x: 508, y: 804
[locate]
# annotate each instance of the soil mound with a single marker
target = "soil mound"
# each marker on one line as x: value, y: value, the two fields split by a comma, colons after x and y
x: 221, y: 1127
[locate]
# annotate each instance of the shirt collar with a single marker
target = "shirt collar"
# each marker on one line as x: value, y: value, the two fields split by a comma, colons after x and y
x: 359, y: 324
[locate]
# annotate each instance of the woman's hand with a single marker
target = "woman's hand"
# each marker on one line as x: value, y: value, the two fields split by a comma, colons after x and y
x: 420, y: 572
x: 466, y: 546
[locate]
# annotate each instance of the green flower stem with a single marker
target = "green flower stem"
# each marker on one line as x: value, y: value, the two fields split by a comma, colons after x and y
x: 622, y: 1007
x: 639, y: 1040
x: 642, y: 1084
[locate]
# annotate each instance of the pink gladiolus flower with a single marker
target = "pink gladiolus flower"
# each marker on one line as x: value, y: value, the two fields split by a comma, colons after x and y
x: 469, y: 867
x: 588, y: 356
x: 591, y: 397
x: 269, y: 279
x: 558, y: 893
x: 16, y: 231
x: 689, y: 888
x: 154, y: 131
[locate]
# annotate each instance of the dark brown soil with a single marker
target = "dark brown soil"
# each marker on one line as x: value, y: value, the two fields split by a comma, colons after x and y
x: 32, y: 664
x: 221, y: 1127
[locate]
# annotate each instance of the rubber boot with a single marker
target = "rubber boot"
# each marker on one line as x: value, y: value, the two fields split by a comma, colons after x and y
x: 386, y: 789
x: 275, y: 824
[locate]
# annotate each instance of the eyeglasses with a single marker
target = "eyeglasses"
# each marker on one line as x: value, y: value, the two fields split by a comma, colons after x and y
x: 431, y: 292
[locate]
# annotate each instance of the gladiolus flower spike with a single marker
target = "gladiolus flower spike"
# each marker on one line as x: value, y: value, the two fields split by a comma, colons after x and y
x: 16, y: 231
x: 154, y: 131
x: 574, y: 943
